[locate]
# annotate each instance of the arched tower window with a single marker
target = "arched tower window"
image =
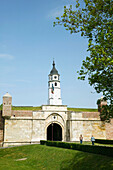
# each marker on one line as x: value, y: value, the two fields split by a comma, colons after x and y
x: 55, y: 77
x: 55, y: 84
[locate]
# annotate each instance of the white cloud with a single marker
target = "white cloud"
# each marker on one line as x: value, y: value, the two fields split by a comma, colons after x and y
x: 6, y: 85
x: 6, y: 56
x: 57, y: 12
x: 23, y: 81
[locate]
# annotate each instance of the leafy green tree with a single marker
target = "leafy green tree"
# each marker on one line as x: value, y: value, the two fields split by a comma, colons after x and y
x: 94, y: 21
x: 1, y: 106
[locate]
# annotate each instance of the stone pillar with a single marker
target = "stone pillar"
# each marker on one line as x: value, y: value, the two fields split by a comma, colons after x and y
x: 7, y: 102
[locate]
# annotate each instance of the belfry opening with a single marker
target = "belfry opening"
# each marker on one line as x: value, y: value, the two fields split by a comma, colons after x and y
x: 54, y: 132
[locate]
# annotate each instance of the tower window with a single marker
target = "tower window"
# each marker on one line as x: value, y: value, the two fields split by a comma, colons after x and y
x: 55, y: 77
x: 55, y: 84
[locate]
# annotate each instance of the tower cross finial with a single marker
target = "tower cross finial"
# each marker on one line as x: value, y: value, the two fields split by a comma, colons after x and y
x: 53, y: 63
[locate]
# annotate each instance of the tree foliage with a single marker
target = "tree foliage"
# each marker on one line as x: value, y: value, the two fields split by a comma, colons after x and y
x: 94, y: 21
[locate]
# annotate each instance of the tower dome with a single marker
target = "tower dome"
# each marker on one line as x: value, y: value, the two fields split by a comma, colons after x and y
x: 54, y: 70
x: 7, y: 95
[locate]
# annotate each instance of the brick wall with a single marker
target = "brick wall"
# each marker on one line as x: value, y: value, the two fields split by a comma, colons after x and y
x: 91, y: 115
x: 109, y: 130
x: 21, y: 113
x: 1, y: 126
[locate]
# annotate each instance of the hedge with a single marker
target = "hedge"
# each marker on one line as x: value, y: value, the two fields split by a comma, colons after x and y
x: 43, y: 142
x: 104, y: 141
x: 103, y: 150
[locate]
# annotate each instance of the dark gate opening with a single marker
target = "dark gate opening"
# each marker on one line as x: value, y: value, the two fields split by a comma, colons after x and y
x: 54, y: 132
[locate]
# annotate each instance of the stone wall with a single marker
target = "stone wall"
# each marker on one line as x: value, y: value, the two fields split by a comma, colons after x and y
x: 1, y: 126
x: 21, y: 113
x: 31, y: 126
x: 87, y: 124
x: 17, y: 130
x: 91, y: 115
x: 38, y: 130
x: 109, y: 130
x: 87, y: 129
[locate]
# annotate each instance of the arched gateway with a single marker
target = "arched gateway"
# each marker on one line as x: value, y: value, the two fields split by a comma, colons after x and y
x: 54, y: 132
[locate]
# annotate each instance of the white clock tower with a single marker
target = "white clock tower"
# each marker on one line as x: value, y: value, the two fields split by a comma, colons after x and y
x: 54, y: 90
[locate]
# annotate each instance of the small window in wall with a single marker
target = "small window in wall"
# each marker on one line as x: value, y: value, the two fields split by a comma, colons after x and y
x: 55, y: 84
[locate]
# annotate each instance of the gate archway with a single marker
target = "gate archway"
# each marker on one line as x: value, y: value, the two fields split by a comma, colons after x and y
x: 54, y: 132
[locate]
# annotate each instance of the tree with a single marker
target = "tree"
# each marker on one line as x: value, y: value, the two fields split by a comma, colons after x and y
x: 94, y: 21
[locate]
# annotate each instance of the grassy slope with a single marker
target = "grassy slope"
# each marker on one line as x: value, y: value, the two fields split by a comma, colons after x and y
x: 82, y: 110
x: 27, y: 108
x: 98, y: 144
x: 39, y: 108
x: 51, y: 158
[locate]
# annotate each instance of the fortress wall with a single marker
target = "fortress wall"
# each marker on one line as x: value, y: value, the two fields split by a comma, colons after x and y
x: 87, y: 124
x: 38, y: 130
x: 1, y: 126
x: 21, y: 113
x: 87, y: 129
x: 26, y: 128
x: 107, y: 126
x: 17, y: 131
x: 91, y: 115
x: 109, y: 130
x: 95, y: 128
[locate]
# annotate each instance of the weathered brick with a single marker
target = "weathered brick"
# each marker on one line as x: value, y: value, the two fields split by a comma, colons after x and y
x: 21, y: 113
x: 109, y: 130
x: 90, y: 115
x: 1, y: 126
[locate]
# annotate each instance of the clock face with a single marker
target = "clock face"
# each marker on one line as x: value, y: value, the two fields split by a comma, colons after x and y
x: 55, y: 77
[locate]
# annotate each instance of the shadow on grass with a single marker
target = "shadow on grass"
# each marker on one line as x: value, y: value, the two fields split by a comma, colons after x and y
x: 92, y: 161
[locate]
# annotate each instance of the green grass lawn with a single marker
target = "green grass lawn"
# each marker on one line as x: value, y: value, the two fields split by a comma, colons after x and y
x: 40, y: 157
x: 69, y: 109
x: 98, y: 144
x: 82, y: 110
x: 40, y: 108
x: 27, y: 108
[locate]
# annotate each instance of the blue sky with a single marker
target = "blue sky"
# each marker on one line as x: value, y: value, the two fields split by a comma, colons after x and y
x: 28, y: 44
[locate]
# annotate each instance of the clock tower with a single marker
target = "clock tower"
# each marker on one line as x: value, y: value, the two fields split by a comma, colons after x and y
x: 54, y: 91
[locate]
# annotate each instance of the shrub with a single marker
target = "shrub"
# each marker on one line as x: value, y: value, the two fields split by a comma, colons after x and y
x: 104, y: 141
x: 103, y: 150
x: 43, y: 142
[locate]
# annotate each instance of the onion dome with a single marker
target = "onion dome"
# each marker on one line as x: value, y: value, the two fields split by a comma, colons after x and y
x: 54, y: 70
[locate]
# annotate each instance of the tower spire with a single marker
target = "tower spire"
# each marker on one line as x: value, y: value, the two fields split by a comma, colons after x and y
x: 53, y: 63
